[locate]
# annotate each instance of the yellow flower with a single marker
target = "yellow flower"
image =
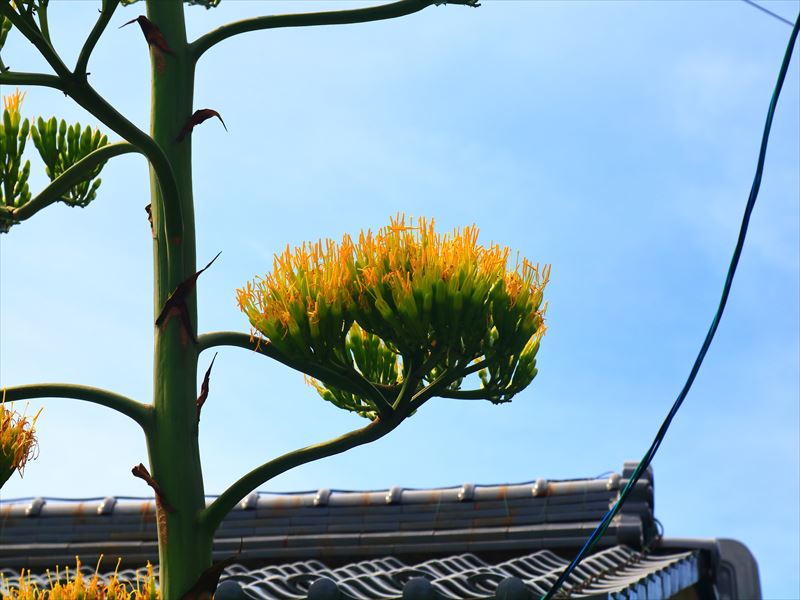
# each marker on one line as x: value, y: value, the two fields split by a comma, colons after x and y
x: 421, y: 297
x: 17, y: 441
x: 76, y: 586
x: 12, y: 103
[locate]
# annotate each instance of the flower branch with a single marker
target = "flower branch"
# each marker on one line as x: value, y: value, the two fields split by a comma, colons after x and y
x: 77, y: 173
x: 27, y: 27
x: 141, y: 413
x: 352, y: 382
x: 339, y: 17
x: 9, y: 77
x: 212, y: 516
x: 106, y: 12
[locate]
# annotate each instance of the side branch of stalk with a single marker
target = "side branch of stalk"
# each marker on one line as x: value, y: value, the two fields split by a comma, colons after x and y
x: 338, y: 17
x: 407, y: 401
x: 106, y: 12
x: 350, y: 380
x: 76, y: 174
x: 37, y: 79
x: 141, y: 413
x: 213, y: 515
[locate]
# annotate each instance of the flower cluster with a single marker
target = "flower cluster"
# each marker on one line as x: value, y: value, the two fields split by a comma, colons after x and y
x: 76, y: 587
x: 17, y: 442
x: 400, y: 298
x: 14, y: 191
x: 61, y: 146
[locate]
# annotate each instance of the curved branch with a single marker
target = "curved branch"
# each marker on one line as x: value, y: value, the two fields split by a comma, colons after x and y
x: 213, y: 515
x: 38, y: 79
x: 109, y: 6
x: 339, y: 17
x: 475, y: 367
x: 35, y: 37
x: 343, y: 381
x: 141, y: 413
x: 44, y: 25
x: 72, y: 176
x: 434, y: 388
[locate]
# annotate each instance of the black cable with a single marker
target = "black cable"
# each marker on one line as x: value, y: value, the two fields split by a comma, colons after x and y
x: 648, y: 457
x: 769, y: 12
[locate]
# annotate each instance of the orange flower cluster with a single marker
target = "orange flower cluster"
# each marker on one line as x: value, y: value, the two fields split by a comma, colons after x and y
x: 12, y: 103
x: 416, y: 290
x: 77, y: 588
x: 17, y: 441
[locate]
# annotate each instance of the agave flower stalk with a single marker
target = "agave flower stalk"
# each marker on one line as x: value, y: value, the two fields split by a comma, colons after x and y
x: 379, y: 325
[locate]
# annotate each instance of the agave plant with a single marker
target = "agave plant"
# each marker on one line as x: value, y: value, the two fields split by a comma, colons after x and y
x: 379, y: 325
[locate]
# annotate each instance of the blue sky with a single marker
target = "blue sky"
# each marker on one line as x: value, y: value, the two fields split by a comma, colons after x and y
x: 615, y: 141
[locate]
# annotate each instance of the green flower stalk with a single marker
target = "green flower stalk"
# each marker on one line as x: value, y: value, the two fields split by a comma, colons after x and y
x: 379, y: 325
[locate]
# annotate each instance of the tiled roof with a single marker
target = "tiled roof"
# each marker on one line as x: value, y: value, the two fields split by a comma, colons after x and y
x: 343, y: 525
x: 617, y: 573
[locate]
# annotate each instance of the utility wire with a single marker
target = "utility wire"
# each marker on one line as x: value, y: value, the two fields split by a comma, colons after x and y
x: 648, y: 457
x: 769, y: 12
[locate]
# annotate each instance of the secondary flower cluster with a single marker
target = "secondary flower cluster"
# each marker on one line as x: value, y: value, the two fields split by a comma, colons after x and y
x: 404, y: 296
x: 77, y: 587
x: 59, y: 145
x: 17, y: 442
x: 14, y: 191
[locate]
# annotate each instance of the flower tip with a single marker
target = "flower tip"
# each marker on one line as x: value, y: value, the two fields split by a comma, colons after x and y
x: 12, y: 102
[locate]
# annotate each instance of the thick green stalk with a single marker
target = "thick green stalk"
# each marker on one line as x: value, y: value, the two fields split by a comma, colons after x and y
x: 184, y: 551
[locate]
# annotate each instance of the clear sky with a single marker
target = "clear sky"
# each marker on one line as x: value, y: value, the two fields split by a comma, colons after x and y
x: 615, y: 141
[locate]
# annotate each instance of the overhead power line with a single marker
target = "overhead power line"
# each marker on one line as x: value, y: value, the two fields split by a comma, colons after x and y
x: 651, y: 452
x: 769, y: 12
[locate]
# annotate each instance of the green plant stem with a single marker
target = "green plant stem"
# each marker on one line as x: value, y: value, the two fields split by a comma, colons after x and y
x: 28, y: 28
x: 347, y: 381
x: 72, y: 176
x: 37, y: 79
x: 475, y: 367
x: 106, y: 12
x: 141, y: 413
x: 174, y: 454
x: 338, y: 17
x: 216, y: 511
x: 434, y: 388
x: 43, y: 22
x: 213, y: 515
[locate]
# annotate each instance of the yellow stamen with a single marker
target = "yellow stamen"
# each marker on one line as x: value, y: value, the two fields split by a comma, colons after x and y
x: 12, y: 102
